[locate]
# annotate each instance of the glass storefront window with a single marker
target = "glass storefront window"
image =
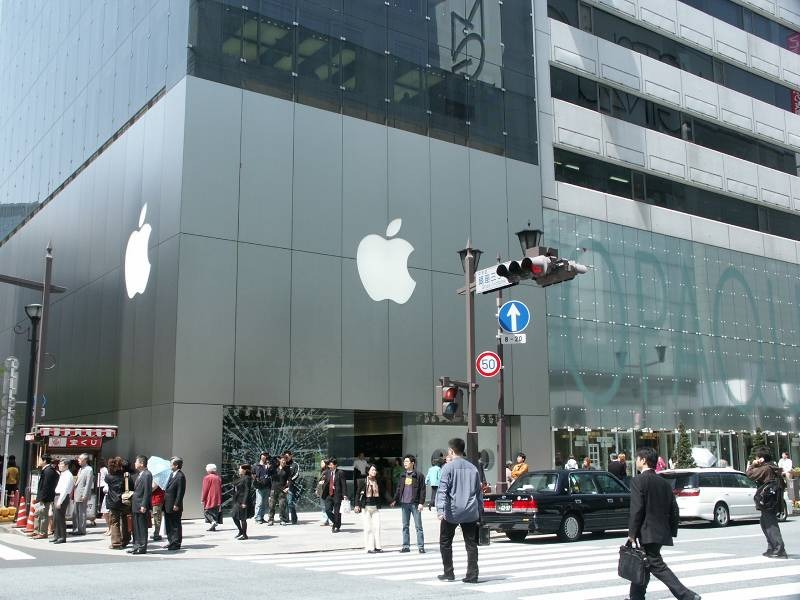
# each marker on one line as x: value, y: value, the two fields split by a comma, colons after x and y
x: 457, y: 71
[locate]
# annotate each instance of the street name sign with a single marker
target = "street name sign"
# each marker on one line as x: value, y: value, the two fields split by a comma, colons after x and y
x: 487, y: 280
x: 514, y: 316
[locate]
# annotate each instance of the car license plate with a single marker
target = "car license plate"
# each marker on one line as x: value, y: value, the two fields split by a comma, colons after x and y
x: 504, y: 507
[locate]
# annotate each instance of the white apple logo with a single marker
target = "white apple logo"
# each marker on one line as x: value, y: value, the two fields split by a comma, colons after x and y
x: 383, y: 266
x: 137, y: 264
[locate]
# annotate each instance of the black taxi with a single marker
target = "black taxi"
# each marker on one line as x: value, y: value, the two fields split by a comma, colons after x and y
x: 566, y: 503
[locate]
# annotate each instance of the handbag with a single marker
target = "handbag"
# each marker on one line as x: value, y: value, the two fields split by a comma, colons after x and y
x: 345, y: 508
x: 633, y: 563
x: 127, y: 495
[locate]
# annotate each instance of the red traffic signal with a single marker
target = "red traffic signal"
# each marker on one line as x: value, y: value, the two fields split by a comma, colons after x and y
x: 450, y: 402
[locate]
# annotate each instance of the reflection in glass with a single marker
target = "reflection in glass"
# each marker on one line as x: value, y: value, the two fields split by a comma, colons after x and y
x: 399, y: 63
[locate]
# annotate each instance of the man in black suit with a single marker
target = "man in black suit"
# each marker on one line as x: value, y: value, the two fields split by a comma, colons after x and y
x: 654, y: 522
x: 334, y: 490
x: 46, y: 493
x: 141, y: 505
x: 173, y: 503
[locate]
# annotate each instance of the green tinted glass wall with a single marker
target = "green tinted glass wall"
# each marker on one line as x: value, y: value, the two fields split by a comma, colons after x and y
x: 662, y: 330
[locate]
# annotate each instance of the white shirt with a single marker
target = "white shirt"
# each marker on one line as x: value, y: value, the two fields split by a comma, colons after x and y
x: 361, y: 465
x: 64, y: 487
x: 785, y: 464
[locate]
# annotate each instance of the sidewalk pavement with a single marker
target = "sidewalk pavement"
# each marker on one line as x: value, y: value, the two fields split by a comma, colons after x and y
x: 306, y: 536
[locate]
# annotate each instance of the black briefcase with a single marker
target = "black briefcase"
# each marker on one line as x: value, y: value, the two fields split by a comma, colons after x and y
x: 633, y: 563
x: 483, y: 535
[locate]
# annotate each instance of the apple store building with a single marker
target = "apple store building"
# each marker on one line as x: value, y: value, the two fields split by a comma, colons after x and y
x: 256, y: 209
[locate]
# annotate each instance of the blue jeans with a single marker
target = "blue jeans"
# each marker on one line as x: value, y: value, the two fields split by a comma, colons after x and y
x: 408, y: 510
x: 291, y: 503
x: 262, y: 503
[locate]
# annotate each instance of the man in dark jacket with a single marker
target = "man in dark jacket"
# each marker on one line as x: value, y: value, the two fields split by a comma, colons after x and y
x: 294, y: 476
x: 411, y: 496
x: 654, y: 522
x: 617, y: 468
x: 334, y: 490
x: 173, y: 503
x: 762, y: 471
x: 141, y: 504
x: 45, y: 494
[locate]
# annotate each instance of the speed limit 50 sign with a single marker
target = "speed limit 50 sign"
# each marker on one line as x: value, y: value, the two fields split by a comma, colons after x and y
x: 488, y: 364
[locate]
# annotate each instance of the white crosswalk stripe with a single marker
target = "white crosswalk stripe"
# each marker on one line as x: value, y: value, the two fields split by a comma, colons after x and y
x: 7, y: 553
x: 559, y: 571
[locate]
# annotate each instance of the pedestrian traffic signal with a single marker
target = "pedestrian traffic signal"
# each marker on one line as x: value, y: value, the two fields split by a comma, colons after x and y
x: 450, y: 403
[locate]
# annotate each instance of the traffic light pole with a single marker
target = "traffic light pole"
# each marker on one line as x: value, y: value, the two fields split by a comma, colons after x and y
x: 472, y: 397
x: 501, y: 410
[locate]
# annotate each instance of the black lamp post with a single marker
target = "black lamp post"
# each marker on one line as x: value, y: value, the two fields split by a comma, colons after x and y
x: 34, y: 312
x: 469, y: 262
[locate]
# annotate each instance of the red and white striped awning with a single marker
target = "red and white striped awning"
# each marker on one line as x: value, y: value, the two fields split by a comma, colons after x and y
x: 103, y: 431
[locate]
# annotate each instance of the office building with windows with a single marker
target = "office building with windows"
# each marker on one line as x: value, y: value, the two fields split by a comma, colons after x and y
x: 257, y: 206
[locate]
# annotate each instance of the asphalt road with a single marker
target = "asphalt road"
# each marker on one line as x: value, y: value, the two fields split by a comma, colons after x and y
x: 721, y: 564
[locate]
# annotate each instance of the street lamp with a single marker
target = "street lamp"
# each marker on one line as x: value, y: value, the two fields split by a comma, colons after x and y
x: 34, y: 312
x: 529, y: 238
x: 469, y: 262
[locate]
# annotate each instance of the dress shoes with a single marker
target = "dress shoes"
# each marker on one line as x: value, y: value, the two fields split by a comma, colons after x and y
x: 61, y: 541
x: 446, y: 577
x: 243, y: 537
x: 157, y: 538
x: 52, y: 540
x: 173, y: 548
x: 470, y: 580
x: 778, y: 555
x: 405, y: 550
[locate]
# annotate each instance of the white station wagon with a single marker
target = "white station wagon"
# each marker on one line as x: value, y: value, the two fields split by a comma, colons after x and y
x: 716, y: 495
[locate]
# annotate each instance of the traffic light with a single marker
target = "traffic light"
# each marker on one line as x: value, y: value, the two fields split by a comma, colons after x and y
x: 541, y: 264
x: 450, y: 402
x: 560, y: 270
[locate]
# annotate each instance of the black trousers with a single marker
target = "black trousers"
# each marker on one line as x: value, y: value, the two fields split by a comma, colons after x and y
x: 470, y: 533
x: 241, y: 525
x: 769, y: 525
x: 172, y: 522
x: 139, y: 530
x: 661, y: 571
x: 333, y: 510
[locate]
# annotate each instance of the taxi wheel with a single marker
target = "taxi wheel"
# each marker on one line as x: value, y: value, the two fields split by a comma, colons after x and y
x: 517, y: 536
x: 722, y: 516
x: 570, y: 528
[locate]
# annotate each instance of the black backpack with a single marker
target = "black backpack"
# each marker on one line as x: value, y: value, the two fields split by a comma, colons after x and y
x: 768, y: 496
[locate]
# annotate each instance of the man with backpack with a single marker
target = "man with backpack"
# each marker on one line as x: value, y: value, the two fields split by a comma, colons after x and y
x: 768, y: 499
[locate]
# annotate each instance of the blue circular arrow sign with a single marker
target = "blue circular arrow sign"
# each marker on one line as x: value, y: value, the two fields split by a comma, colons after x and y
x: 514, y: 316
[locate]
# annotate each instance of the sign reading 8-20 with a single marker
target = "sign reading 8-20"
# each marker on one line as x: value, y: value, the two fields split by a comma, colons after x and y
x: 466, y: 30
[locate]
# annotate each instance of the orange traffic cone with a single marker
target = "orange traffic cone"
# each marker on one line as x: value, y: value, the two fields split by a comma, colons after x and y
x: 22, y: 514
x: 29, y: 528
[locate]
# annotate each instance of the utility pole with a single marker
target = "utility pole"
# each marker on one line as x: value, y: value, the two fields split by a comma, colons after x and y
x: 470, y: 262
x: 501, y: 414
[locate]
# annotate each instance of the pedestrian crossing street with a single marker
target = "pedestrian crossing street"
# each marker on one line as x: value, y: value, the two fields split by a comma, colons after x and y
x: 8, y: 553
x: 560, y: 572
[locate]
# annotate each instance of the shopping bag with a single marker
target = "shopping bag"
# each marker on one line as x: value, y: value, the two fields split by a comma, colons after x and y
x: 633, y: 563
x: 346, y: 508
x: 483, y: 535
